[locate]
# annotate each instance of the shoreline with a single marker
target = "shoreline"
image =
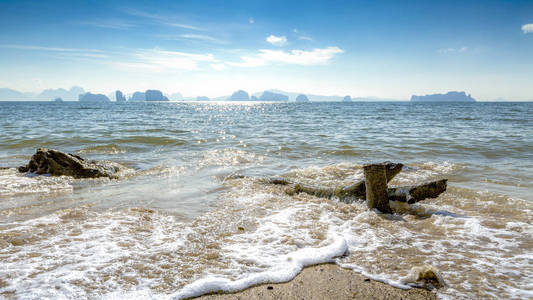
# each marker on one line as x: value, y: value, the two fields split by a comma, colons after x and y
x: 325, y: 281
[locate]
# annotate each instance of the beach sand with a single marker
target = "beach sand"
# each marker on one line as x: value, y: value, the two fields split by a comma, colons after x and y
x: 326, y: 281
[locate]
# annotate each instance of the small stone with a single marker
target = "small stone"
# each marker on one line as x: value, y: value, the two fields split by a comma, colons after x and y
x: 270, y: 287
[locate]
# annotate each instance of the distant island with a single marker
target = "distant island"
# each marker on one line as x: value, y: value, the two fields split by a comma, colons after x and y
x: 58, y: 99
x: 302, y: 98
x: 271, y: 96
x: 119, y: 97
x: 347, y: 99
x: 89, y: 97
x: 448, y: 97
x: 239, y: 95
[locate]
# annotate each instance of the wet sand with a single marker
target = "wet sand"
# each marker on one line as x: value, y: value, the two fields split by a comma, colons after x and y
x: 326, y: 281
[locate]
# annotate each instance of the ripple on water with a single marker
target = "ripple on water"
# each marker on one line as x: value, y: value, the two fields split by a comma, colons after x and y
x: 256, y: 233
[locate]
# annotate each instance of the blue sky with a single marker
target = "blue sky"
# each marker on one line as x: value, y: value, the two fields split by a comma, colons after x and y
x: 389, y: 49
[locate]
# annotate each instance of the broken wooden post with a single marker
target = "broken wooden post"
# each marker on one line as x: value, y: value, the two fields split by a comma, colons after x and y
x: 376, y: 187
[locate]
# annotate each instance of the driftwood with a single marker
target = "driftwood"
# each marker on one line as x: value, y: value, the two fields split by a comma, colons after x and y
x: 376, y: 187
x: 348, y: 194
x: 419, y: 192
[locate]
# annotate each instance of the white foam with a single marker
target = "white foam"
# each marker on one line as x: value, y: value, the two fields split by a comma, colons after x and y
x: 14, y: 182
x: 295, y: 262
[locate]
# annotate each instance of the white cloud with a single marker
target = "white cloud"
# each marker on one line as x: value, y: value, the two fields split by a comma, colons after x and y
x: 218, y: 67
x: 527, y: 28
x: 162, y: 60
x: 293, y: 57
x: 277, y: 40
x: 301, y: 57
x: 251, y: 20
x: 249, y: 61
x: 453, y: 50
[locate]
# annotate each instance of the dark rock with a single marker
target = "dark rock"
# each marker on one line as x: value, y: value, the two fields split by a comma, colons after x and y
x: 57, y: 163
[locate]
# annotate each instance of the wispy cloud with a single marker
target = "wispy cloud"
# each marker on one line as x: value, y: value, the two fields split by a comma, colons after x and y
x: 108, y: 24
x: 251, y: 20
x: 196, y: 37
x: 185, y: 26
x: 162, y: 19
x: 452, y: 50
x: 302, y: 36
x: 294, y: 57
x: 53, y: 49
x: 163, y: 60
x: 277, y: 40
x: 527, y: 28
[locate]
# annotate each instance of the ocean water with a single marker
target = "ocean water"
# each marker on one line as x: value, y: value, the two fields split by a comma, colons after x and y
x: 173, y: 226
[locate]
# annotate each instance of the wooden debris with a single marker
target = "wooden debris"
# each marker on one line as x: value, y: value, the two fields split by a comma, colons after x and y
x: 414, y: 193
x: 376, y: 187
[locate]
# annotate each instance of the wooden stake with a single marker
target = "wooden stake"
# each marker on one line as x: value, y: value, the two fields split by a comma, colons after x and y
x: 376, y: 187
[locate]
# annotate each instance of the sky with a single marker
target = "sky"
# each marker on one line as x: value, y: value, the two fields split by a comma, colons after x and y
x: 387, y: 49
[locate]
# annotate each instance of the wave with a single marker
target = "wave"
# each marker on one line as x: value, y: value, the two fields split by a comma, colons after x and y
x: 256, y: 233
x: 103, y: 149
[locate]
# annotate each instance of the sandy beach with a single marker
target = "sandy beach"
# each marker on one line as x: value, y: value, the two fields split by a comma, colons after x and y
x: 326, y: 281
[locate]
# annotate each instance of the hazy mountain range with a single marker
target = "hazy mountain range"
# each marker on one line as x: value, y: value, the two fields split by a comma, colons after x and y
x: 7, y: 94
x: 48, y: 94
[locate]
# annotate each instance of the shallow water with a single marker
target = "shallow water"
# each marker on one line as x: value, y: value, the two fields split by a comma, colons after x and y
x: 174, y: 227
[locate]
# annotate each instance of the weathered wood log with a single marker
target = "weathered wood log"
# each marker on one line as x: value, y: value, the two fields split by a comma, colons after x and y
x: 344, y: 193
x: 357, y: 191
x: 376, y: 187
x: 414, y: 193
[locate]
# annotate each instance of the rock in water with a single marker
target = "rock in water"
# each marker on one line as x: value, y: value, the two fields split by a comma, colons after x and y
x: 424, y: 277
x: 57, y: 163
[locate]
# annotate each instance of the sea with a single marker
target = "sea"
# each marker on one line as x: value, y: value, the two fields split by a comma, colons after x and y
x: 179, y: 223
